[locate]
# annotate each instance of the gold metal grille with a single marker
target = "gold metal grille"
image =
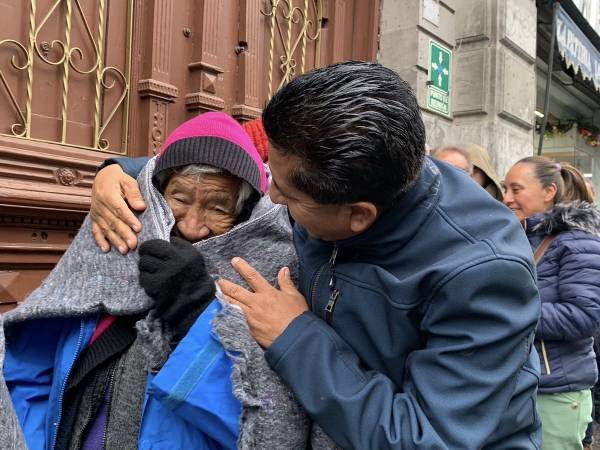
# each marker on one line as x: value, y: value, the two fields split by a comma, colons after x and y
x: 100, y: 85
x: 294, y: 26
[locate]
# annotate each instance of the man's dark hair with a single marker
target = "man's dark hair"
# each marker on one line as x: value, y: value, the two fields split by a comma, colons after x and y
x: 357, y: 129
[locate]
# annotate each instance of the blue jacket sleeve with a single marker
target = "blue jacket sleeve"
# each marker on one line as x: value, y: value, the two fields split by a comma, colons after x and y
x: 195, y: 383
x: 478, y: 330
x: 131, y: 166
x: 28, y: 371
x: 576, y: 313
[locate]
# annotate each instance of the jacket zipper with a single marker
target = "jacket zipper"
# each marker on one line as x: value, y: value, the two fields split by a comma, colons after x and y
x: 331, y: 305
x: 64, y: 385
x: 335, y: 293
x: 315, y: 284
x: 88, y: 419
x: 110, y: 391
x: 89, y: 416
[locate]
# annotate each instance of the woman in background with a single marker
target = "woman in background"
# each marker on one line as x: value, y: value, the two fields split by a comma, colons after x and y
x: 565, y: 238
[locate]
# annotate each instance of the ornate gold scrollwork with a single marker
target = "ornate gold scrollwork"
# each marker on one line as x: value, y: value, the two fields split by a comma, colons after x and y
x: 71, y: 58
x: 18, y: 129
x: 104, y: 144
x: 285, y: 19
x: 52, y: 44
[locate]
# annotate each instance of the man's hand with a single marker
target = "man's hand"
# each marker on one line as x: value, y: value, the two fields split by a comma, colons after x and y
x: 268, y: 310
x: 113, y: 193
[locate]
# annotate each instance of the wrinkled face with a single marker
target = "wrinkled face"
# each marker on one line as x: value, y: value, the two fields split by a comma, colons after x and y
x: 202, y: 208
x: 454, y: 159
x: 524, y: 193
x: 325, y: 222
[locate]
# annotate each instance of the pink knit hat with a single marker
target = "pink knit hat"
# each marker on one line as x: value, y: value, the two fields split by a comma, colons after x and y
x: 215, y: 139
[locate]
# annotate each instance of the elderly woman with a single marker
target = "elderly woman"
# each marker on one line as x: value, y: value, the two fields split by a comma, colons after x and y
x: 455, y: 156
x: 102, y: 356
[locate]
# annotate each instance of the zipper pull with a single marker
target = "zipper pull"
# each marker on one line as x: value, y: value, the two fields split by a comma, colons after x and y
x: 333, y: 298
x: 333, y: 256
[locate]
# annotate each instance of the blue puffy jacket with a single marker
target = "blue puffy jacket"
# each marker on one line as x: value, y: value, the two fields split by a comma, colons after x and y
x: 569, y: 285
x: 189, y: 404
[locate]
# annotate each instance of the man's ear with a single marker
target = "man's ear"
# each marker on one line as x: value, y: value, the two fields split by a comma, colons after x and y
x: 362, y: 216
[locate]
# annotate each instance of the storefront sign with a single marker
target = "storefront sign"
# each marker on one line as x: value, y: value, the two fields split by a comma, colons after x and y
x: 590, y: 10
x: 438, y: 89
x: 576, y: 49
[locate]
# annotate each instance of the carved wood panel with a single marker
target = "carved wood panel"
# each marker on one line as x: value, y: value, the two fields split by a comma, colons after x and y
x: 185, y: 57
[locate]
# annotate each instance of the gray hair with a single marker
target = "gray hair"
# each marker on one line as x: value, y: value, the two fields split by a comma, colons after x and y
x: 437, y: 153
x: 198, y: 171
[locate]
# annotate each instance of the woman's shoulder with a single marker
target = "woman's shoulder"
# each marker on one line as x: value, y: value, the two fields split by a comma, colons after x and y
x: 576, y: 227
x: 578, y: 241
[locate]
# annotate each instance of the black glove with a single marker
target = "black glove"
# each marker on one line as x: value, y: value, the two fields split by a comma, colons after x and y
x: 174, y: 275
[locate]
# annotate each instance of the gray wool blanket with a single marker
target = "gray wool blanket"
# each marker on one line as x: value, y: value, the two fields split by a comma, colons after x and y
x: 87, y: 281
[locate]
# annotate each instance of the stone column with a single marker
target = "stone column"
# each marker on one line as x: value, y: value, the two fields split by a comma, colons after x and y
x: 493, y: 75
x: 405, y: 30
x: 494, y: 83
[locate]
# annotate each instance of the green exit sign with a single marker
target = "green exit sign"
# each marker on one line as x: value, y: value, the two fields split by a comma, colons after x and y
x: 440, y: 68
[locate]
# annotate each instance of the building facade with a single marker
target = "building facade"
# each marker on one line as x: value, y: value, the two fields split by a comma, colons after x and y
x: 493, y: 79
x: 84, y: 80
x: 572, y: 133
x: 491, y: 75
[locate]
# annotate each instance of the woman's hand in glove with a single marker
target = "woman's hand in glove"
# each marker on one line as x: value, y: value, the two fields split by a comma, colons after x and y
x: 174, y: 275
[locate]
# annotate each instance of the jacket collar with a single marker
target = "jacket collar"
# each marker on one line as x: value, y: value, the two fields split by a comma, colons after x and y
x: 581, y: 216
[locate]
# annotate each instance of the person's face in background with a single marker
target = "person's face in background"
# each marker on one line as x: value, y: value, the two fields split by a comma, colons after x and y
x: 524, y: 193
x: 454, y: 159
x: 479, y: 177
x: 202, y: 208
